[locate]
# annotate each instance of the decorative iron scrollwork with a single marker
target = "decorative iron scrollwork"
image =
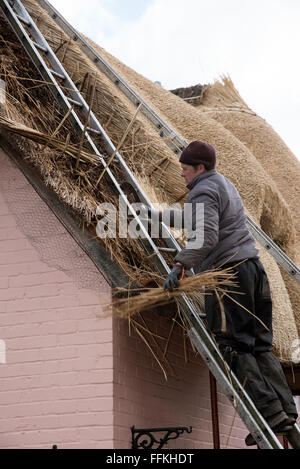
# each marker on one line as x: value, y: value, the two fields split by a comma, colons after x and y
x: 143, y: 438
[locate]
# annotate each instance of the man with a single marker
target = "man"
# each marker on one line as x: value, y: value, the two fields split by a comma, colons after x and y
x: 242, y: 321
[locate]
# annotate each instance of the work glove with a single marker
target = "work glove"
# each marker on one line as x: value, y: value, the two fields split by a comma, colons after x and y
x: 174, y: 277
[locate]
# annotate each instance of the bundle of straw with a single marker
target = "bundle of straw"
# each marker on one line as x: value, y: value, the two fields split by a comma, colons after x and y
x: 150, y: 298
x: 52, y: 142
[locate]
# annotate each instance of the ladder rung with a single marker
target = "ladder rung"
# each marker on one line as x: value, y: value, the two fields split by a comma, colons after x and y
x: 39, y: 46
x: 23, y: 20
x: 172, y: 250
x: 89, y: 129
x: 77, y: 103
x: 59, y: 75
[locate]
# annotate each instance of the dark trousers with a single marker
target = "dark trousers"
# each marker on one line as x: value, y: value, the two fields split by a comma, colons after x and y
x: 242, y: 325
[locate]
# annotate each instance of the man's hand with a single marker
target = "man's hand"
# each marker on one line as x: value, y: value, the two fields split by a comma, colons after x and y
x: 174, y: 277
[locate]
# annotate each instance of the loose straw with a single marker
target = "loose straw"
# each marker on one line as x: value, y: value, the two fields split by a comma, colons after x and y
x: 153, y: 297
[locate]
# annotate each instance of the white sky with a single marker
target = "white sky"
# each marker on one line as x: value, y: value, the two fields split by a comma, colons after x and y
x: 186, y: 42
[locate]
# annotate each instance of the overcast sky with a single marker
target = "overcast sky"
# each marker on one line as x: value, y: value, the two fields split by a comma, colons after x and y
x: 186, y: 42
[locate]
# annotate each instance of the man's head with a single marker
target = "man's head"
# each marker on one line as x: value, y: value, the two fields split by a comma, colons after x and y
x: 189, y: 172
x: 197, y: 158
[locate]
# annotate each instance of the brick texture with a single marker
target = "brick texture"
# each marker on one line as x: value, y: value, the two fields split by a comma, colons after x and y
x: 145, y: 399
x: 57, y: 382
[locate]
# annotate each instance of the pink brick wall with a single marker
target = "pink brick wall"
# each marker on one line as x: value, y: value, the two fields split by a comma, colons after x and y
x: 57, y: 383
x: 144, y: 398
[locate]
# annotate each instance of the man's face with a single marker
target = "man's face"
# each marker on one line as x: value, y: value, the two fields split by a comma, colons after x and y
x: 190, y: 172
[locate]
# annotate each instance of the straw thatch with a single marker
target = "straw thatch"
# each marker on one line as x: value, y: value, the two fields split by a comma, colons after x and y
x: 154, y: 164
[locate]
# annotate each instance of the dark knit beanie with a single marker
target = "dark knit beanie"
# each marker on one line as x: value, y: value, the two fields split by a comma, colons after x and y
x: 199, y: 152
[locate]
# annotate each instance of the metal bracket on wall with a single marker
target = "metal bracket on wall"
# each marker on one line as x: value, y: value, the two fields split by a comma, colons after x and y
x: 143, y: 438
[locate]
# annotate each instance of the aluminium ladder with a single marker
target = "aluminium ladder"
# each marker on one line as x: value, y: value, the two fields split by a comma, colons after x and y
x: 171, y: 139
x: 68, y: 97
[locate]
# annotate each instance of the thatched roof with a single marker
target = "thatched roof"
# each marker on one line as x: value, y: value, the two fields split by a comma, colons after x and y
x: 153, y: 163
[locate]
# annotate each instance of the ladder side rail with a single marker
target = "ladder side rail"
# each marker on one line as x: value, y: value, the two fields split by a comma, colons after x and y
x: 59, y: 94
x: 293, y: 437
x: 176, y: 143
x: 62, y: 100
x: 58, y: 69
x: 232, y: 388
x: 38, y: 60
x: 257, y: 232
x: 64, y: 103
x: 279, y: 255
x: 241, y: 401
